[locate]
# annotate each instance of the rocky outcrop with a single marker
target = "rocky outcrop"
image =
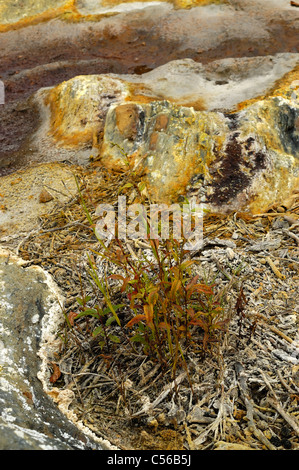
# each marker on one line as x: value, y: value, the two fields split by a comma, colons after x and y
x: 30, y: 315
x: 199, y: 96
x: 88, y: 38
x: 237, y: 151
x: 241, y: 161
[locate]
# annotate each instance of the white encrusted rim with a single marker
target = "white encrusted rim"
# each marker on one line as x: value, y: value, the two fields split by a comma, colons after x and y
x: 49, y: 343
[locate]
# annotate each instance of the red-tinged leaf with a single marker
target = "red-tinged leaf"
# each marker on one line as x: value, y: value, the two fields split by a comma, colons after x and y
x: 191, y: 312
x: 154, y: 243
x: 132, y: 297
x: 206, y: 339
x: 121, y: 278
x: 175, y: 287
x: 149, y: 314
x: 199, y: 322
x: 187, y: 264
x: 179, y: 309
x: 219, y: 325
x: 153, y: 296
x: 203, y: 288
x: 56, y: 373
x: 192, y: 282
x: 116, y: 276
x: 72, y: 317
x: 200, y: 289
x: 136, y: 307
x: 182, y: 328
x: 164, y: 326
x: 136, y: 319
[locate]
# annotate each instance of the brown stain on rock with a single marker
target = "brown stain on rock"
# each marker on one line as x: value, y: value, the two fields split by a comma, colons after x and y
x: 153, y: 141
x: 234, y: 169
x: 142, y: 94
x: 127, y: 120
x: 161, y: 122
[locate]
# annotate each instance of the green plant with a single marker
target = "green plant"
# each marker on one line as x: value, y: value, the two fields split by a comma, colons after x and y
x: 105, y: 319
x: 170, y: 312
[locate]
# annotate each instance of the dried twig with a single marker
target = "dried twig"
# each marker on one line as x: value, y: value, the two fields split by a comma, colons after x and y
x: 151, y: 406
x: 274, y: 268
x: 275, y: 403
x: 291, y: 235
x: 249, y: 407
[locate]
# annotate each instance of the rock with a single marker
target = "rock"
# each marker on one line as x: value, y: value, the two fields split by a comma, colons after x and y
x: 30, y: 315
x: 23, y: 194
x: 226, y: 156
x: 78, y: 109
x: 88, y: 38
x: 199, y: 95
x: 45, y: 196
x: 221, y: 445
x: 67, y: 122
x: 228, y: 161
x: 11, y: 12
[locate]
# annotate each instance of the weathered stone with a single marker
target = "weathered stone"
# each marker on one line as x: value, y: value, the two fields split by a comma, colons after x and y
x: 79, y: 106
x: 45, y: 196
x: 81, y: 39
x: 170, y: 156
x: 30, y: 315
x: 178, y: 145
x: 240, y: 161
x: 223, y: 130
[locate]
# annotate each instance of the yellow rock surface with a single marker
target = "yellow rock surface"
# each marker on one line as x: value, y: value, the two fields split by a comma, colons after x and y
x: 78, y: 108
x: 14, y: 16
x: 283, y: 87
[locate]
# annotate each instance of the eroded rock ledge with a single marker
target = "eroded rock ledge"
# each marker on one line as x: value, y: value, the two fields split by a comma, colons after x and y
x: 237, y: 151
x: 202, y: 95
x: 30, y: 314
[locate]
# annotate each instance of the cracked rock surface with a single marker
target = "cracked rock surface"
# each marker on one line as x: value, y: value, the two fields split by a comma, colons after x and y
x: 29, y: 418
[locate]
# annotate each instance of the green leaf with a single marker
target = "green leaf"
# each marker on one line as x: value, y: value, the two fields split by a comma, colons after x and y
x: 116, y: 307
x: 110, y: 320
x: 97, y: 331
x: 141, y: 186
x: 95, y: 277
x: 82, y: 301
x: 127, y: 185
x: 92, y: 312
x: 114, y: 339
x: 138, y: 339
